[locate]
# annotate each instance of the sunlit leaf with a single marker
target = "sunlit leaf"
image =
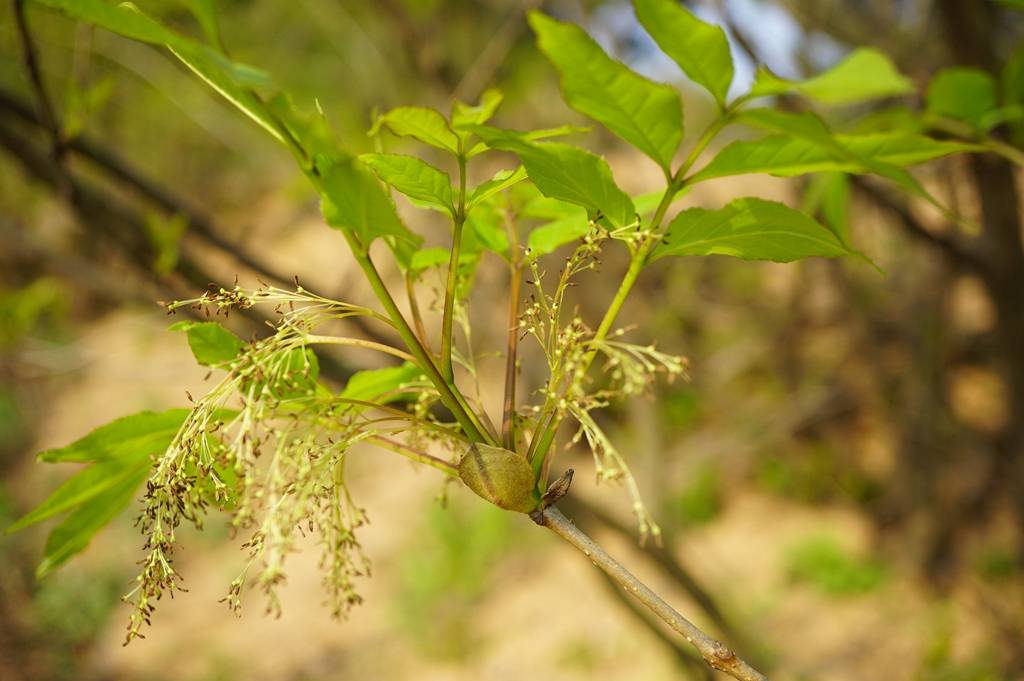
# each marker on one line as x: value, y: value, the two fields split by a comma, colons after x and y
x: 548, y: 238
x: 962, y: 93
x: 829, y: 195
x: 426, y: 125
x: 428, y: 258
x: 749, y: 228
x: 211, y: 343
x: 464, y: 114
x: 125, y: 19
x: 531, y: 135
x: 787, y: 156
x: 864, y: 75
x: 646, y: 114
x: 487, y: 226
x: 415, y: 178
x: 83, y: 486
x: 146, y: 432
x: 353, y: 200
x: 372, y: 384
x: 73, y: 534
x: 501, y: 181
x: 700, y: 49
x: 568, y: 173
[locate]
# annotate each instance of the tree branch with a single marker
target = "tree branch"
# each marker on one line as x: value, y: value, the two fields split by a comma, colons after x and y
x: 664, y: 556
x: 955, y: 250
x: 686, y: 658
x: 47, y: 114
x: 716, y: 654
x: 198, y: 224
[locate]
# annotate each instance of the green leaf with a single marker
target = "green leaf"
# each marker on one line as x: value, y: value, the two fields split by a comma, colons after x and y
x: 529, y: 135
x: 700, y: 49
x: 464, y: 114
x: 205, y: 12
x: 310, y: 129
x: 83, y: 486
x: 501, y: 181
x: 353, y: 200
x: 415, y: 178
x: 427, y: 258
x: 805, y: 124
x: 749, y: 228
x: 881, y: 154
x: 371, y: 384
x: 140, y: 434
x: 829, y: 195
x: 426, y: 125
x: 211, y: 343
x: 568, y: 173
x: 548, y: 238
x: 231, y: 80
x: 74, y: 533
x: 646, y: 114
x: 787, y: 156
x: 965, y: 94
x: 487, y: 227
x: 864, y: 75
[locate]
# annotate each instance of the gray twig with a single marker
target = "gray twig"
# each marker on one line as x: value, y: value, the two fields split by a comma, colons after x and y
x: 715, y: 653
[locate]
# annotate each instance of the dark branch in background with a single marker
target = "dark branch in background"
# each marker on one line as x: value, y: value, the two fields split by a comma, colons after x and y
x: 47, y: 115
x: 959, y: 253
x: 125, y: 230
x: 198, y: 223
x: 494, y: 53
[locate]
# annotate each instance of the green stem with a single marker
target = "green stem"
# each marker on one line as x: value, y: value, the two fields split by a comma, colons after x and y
x: 359, y: 343
x: 449, y: 396
x: 458, y: 221
x: 545, y: 435
x: 414, y: 454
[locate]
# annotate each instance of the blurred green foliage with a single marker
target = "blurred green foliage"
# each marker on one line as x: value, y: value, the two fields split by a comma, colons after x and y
x: 700, y: 500
x: 822, y: 562
x: 814, y: 474
x: 942, y: 663
x: 41, y: 304
x: 447, y: 573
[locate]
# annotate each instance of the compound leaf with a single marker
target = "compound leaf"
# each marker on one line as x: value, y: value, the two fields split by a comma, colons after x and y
x: 646, y: 114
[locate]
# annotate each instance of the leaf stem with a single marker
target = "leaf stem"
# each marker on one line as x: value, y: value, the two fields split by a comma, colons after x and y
x: 448, y: 394
x: 414, y: 308
x: 539, y: 448
x: 715, y: 653
x: 458, y: 221
x: 359, y: 343
x: 414, y: 454
x: 512, y: 344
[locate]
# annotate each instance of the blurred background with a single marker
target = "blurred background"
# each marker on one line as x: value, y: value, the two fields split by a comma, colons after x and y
x: 841, y: 482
